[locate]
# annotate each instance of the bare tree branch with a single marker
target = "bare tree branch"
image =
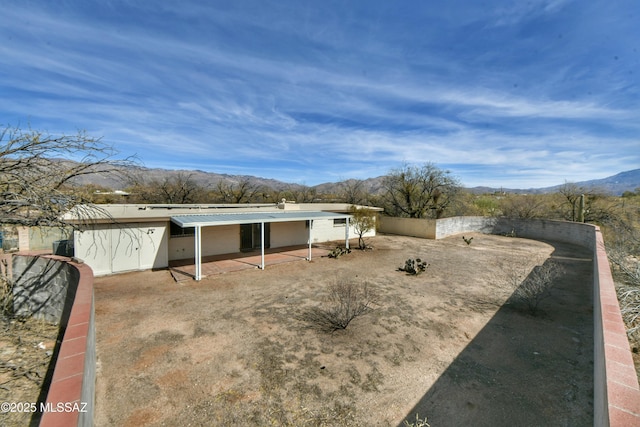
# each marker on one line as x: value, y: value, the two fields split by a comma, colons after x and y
x: 419, y: 192
x: 37, y: 173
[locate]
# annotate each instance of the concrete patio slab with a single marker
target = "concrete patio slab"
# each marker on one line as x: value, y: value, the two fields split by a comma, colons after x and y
x: 182, y: 270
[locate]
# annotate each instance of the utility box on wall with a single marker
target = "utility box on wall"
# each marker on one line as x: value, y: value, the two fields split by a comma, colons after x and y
x: 63, y: 248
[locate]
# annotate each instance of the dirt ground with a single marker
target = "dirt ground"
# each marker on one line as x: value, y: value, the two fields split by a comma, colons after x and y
x: 26, y: 348
x: 449, y: 345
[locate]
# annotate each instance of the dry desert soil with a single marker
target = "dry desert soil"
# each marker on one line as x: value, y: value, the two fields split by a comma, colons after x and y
x: 450, y: 345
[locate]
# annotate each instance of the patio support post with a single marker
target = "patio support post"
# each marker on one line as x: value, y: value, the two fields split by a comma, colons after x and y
x: 346, y: 234
x: 310, y: 227
x: 262, y: 245
x: 198, y: 251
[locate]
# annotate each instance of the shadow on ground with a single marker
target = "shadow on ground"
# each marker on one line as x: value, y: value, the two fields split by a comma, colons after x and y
x: 525, y: 370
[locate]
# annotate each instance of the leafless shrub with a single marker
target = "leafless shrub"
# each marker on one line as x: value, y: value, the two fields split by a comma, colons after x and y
x: 623, y: 250
x: 345, y: 302
x: 626, y: 267
x: 533, y: 288
x: 629, y: 297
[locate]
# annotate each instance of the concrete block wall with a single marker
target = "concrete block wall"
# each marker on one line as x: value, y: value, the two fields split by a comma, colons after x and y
x: 43, y: 287
x: 72, y: 389
x: 466, y: 224
x: 541, y: 229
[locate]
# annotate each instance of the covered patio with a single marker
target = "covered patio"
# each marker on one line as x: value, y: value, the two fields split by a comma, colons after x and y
x: 182, y: 270
x: 199, y: 221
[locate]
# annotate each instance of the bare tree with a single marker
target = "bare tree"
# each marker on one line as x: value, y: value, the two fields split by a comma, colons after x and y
x: 523, y: 206
x: 598, y: 207
x: 419, y: 192
x: 243, y: 191
x: 302, y: 193
x: 352, y: 191
x: 37, y: 173
x: 572, y: 193
x: 180, y: 189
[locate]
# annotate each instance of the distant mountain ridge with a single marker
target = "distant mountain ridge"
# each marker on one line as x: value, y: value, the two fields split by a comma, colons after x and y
x: 615, y: 184
x: 205, y: 179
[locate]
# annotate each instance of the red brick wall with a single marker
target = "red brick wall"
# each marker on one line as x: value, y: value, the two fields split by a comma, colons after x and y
x: 73, y: 381
x: 617, y: 400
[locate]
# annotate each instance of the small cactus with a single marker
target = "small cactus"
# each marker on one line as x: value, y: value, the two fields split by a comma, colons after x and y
x: 467, y: 241
x: 414, y: 267
x: 338, y: 252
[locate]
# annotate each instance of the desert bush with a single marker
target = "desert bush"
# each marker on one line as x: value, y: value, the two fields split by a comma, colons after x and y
x: 414, y: 267
x: 345, y: 302
x: 533, y: 288
x: 622, y: 240
x: 629, y: 297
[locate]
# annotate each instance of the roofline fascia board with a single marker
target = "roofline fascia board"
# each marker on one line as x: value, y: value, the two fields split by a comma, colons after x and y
x: 329, y: 215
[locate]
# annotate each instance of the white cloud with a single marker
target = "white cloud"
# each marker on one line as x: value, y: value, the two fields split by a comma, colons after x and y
x: 516, y: 12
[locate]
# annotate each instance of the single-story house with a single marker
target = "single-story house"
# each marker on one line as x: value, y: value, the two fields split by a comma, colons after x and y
x: 127, y: 237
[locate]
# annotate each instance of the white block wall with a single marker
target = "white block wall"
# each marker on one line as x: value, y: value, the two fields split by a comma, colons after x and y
x: 289, y: 234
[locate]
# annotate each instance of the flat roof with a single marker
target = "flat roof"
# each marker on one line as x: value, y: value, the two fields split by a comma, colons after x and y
x: 146, y: 212
x: 203, y: 220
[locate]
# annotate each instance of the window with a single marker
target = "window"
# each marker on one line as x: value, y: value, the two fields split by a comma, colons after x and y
x: 177, y: 231
x: 340, y: 222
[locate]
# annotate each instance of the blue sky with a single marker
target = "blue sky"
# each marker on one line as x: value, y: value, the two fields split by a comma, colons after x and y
x: 501, y: 93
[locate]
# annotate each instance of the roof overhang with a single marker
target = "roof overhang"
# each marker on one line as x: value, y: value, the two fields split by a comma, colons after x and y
x: 206, y: 220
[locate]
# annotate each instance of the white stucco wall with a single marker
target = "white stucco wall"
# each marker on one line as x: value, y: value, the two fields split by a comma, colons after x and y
x: 94, y: 248
x: 110, y: 248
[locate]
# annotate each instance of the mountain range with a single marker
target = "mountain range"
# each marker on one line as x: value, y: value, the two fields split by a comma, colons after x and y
x: 614, y: 185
